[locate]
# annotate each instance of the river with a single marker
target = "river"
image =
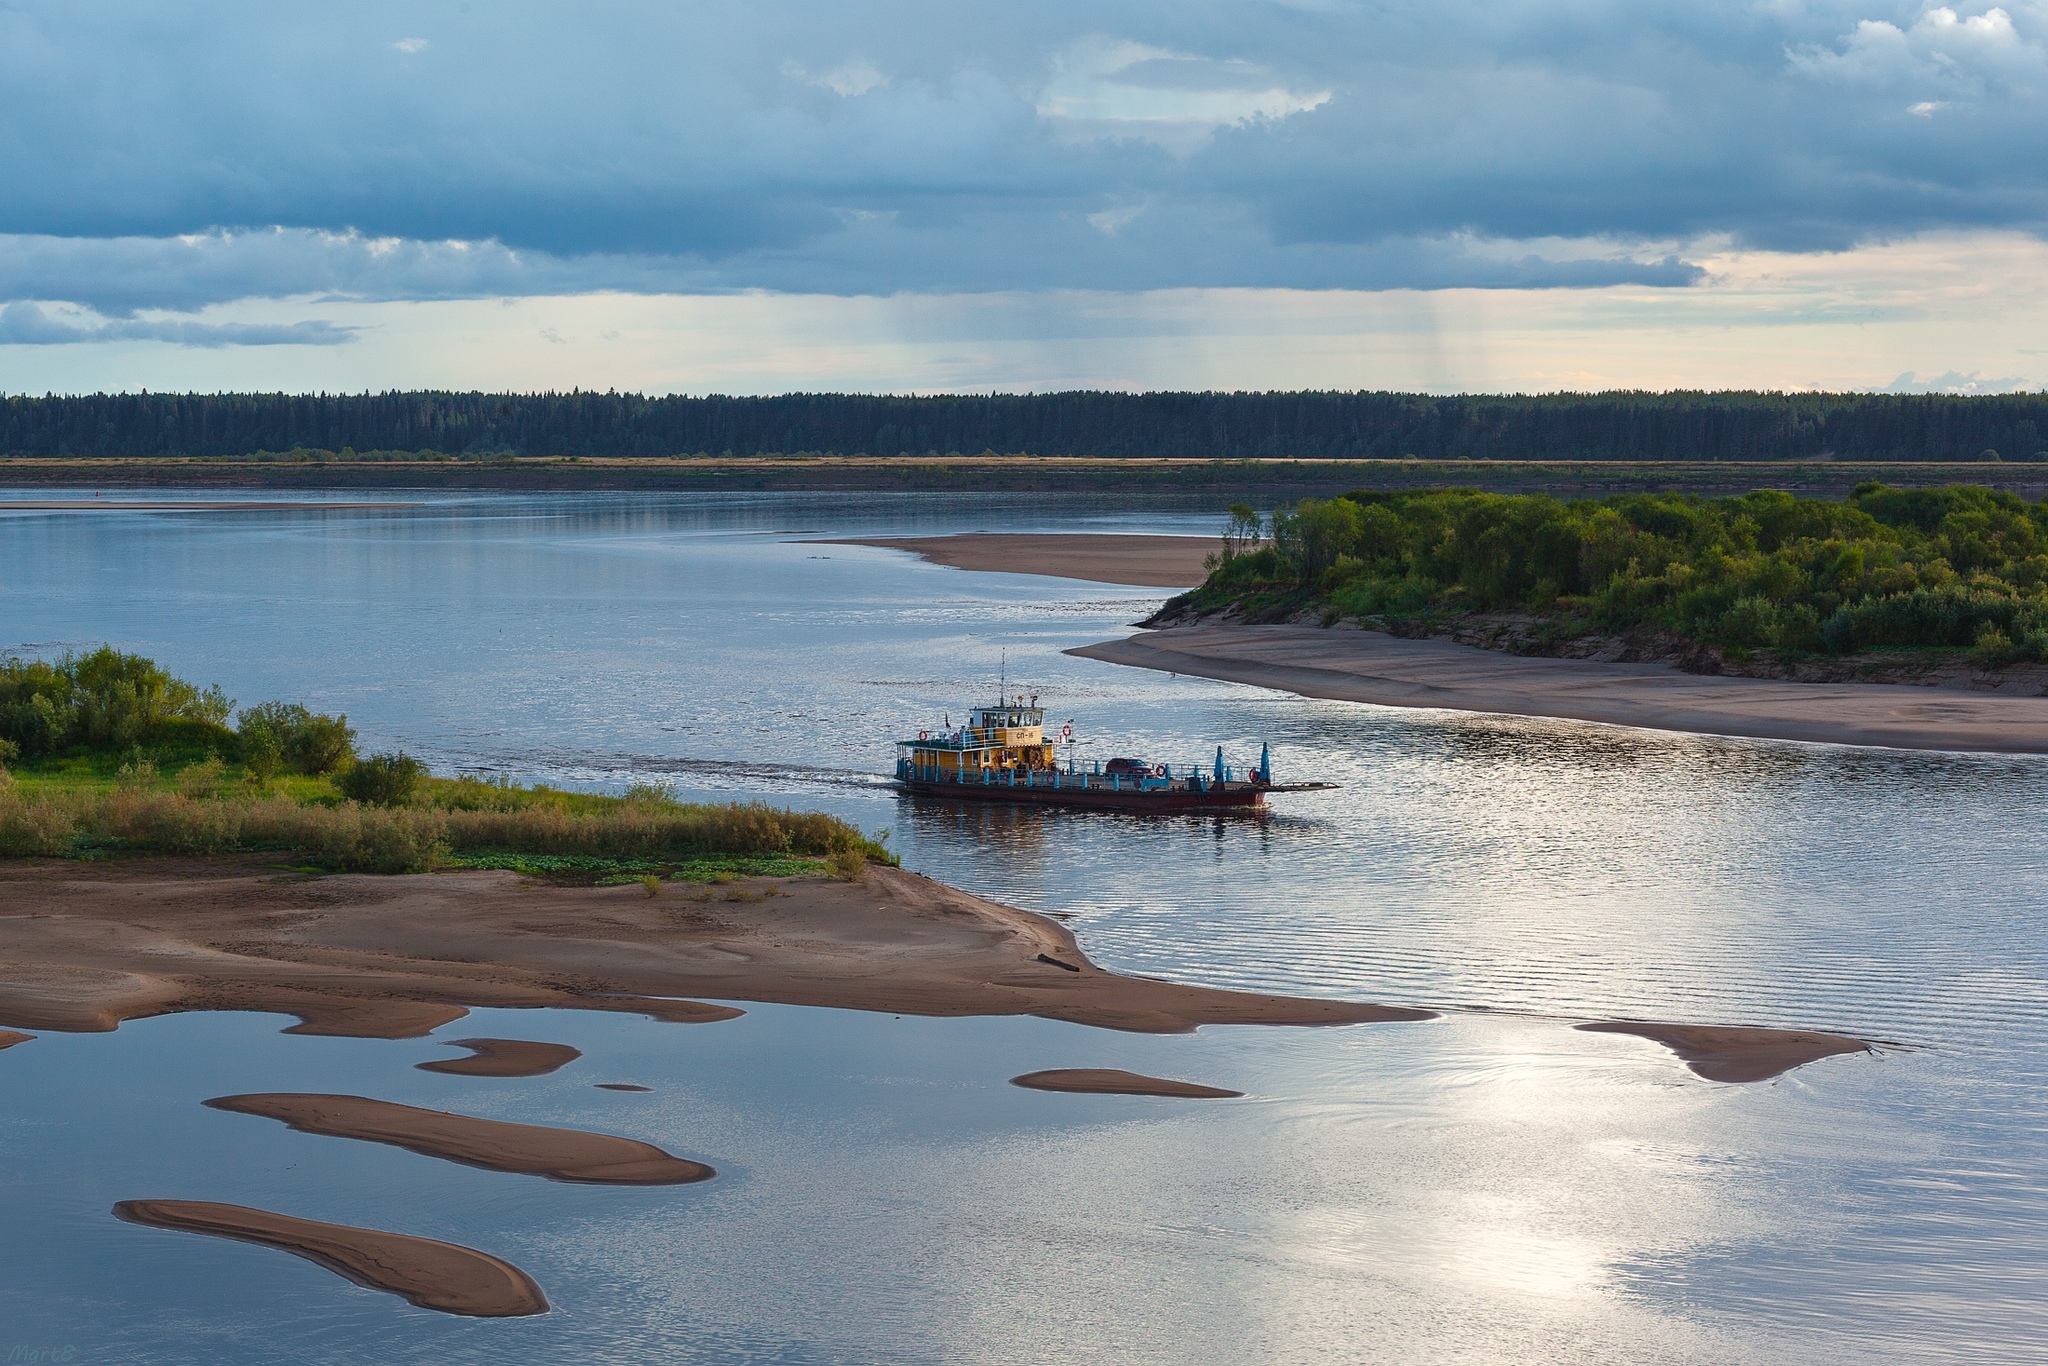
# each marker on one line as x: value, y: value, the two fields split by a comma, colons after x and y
x: 1493, y: 1186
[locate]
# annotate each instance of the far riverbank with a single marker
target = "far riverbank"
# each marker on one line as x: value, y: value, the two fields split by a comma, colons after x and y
x: 1212, y: 484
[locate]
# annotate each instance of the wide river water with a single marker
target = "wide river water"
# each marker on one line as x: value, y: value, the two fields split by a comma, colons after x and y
x: 1492, y: 1186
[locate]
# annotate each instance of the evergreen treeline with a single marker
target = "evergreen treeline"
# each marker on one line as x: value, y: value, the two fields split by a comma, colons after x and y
x: 1954, y: 567
x: 1221, y: 426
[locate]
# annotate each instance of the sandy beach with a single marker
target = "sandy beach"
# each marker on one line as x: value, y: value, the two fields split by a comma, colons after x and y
x: 504, y: 1058
x: 87, y: 945
x: 90, y: 945
x: 525, y: 1149
x: 433, y: 1275
x: 1351, y: 665
x: 1145, y: 561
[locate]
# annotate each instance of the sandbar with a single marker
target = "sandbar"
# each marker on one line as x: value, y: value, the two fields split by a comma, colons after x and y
x: 504, y: 1058
x: 11, y: 1037
x: 433, y: 1275
x: 526, y: 1149
x: 1736, y: 1053
x: 1111, y: 1081
x: 1143, y: 561
x: 87, y: 945
x: 1351, y: 665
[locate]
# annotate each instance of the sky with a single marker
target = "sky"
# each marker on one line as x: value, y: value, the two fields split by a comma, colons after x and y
x: 1518, y: 195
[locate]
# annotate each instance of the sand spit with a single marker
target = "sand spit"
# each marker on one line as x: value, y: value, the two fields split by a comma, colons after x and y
x: 1147, y: 561
x: 433, y: 1275
x: 504, y: 1058
x: 1351, y: 665
x: 87, y: 945
x: 10, y: 1037
x: 1736, y: 1053
x: 1110, y: 1081
x: 525, y: 1149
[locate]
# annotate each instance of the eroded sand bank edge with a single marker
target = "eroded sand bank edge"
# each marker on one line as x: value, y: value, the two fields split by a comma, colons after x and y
x: 431, y: 1274
x: 1349, y: 665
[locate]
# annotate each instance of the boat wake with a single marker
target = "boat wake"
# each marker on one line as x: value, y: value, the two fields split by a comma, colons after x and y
x: 626, y: 770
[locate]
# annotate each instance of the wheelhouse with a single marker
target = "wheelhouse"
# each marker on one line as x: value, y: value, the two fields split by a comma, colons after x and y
x: 1008, y: 735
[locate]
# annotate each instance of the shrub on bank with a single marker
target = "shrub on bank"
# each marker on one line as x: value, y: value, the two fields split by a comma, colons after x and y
x: 106, y: 700
x: 382, y: 779
x: 1887, y: 568
x: 352, y: 837
x: 284, y: 735
x: 658, y: 830
x: 119, y: 755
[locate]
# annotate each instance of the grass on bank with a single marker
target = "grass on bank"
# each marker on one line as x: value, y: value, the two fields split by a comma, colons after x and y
x: 106, y: 753
x: 1961, y: 568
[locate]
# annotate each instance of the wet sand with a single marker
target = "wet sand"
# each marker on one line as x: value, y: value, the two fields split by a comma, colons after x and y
x: 11, y: 1037
x: 1736, y: 1053
x: 1146, y: 561
x: 504, y: 1058
x: 1110, y: 1081
x: 433, y: 1275
x: 524, y: 1149
x: 1351, y: 665
x: 87, y: 945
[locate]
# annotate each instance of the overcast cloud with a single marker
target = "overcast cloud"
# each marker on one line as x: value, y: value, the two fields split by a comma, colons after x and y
x: 171, y: 157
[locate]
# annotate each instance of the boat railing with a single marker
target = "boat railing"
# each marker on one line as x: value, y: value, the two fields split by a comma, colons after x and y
x: 968, y: 739
x: 1192, y: 779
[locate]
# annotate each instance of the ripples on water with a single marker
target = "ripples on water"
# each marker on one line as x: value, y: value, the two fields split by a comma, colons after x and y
x: 1491, y: 1187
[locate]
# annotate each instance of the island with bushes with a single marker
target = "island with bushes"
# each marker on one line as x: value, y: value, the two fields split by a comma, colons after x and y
x: 1885, y: 583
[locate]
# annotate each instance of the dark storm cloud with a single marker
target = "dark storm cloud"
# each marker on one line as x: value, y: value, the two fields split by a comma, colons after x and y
x: 967, y: 146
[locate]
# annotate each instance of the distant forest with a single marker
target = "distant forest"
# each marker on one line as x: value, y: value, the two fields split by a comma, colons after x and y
x: 1218, y: 426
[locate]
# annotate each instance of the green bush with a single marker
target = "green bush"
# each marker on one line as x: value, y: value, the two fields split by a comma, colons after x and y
x: 382, y: 779
x: 1993, y: 649
x: 104, y: 700
x: 637, y: 837
x: 1886, y: 568
x: 276, y: 735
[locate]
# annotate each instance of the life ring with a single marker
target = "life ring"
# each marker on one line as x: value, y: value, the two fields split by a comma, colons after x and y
x: 924, y: 735
x: 1066, y: 732
x: 1159, y: 770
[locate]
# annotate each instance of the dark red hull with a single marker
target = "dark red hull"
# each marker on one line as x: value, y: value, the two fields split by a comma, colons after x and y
x: 1178, y: 797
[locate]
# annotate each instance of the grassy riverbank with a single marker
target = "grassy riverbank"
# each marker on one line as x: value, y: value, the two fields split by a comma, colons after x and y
x: 107, y: 753
x: 1961, y: 569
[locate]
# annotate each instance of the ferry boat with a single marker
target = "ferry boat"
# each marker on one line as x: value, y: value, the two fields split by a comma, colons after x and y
x: 1003, y: 754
